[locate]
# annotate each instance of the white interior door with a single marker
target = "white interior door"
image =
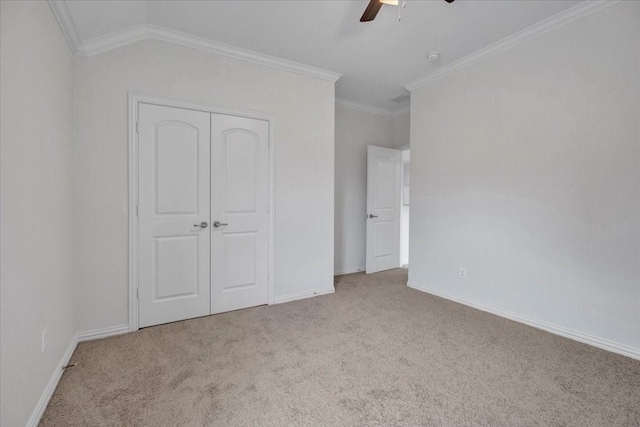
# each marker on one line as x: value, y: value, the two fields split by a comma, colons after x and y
x: 383, y: 209
x: 239, y: 212
x: 174, y: 212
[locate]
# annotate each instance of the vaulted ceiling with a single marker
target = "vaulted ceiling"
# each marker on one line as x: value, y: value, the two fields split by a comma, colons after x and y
x: 375, y: 59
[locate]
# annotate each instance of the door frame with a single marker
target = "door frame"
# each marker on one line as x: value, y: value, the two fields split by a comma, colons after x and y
x: 134, y: 100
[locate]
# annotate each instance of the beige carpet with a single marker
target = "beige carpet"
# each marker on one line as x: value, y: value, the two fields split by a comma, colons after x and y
x: 376, y: 353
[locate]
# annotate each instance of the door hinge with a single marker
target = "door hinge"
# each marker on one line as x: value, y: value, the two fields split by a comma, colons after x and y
x: 137, y: 210
x: 137, y: 127
x: 137, y: 293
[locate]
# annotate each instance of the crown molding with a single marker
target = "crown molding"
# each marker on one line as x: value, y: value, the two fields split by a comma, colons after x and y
x: 118, y: 39
x: 576, y: 12
x: 401, y: 111
x: 63, y: 16
x: 107, y: 42
x: 367, y: 108
x: 364, y: 107
x: 111, y: 41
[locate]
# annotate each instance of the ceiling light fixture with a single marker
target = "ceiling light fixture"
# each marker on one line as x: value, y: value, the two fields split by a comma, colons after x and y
x: 395, y: 3
x: 433, y: 56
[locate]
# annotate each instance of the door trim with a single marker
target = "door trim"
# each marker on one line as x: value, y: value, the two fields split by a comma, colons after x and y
x: 134, y: 99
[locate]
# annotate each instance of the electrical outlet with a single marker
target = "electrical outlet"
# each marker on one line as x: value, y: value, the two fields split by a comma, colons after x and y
x: 44, y: 342
x: 463, y: 272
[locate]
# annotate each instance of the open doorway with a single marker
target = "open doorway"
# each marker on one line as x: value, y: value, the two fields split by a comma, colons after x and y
x: 405, y: 157
x: 387, y: 240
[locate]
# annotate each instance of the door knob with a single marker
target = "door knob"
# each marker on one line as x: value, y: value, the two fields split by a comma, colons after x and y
x: 372, y: 216
x: 203, y: 224
x: 218, y: 224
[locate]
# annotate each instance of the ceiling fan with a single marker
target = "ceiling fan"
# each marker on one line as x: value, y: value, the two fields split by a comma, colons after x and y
x: 374, y: 6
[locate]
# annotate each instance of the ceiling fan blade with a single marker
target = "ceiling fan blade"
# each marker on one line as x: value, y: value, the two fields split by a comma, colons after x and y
x: 374, y: 7
x: 371, y: 11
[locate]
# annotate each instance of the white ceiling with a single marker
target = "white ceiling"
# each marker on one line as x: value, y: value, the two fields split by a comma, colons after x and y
x: 376, y: 58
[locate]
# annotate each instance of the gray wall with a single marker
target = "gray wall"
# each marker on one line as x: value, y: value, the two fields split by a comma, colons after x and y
x: 37, y: 221
x: 526, y: 171
x: 401, y: 127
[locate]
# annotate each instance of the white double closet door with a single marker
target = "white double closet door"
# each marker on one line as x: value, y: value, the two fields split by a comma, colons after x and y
x: 203, y: 215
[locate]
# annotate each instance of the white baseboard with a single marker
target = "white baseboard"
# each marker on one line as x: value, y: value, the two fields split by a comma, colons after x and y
x: 303, y: 295
x: 349, y: 271
x: 602, y: 343
x: 102, y: 333
x: 38, y: 412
